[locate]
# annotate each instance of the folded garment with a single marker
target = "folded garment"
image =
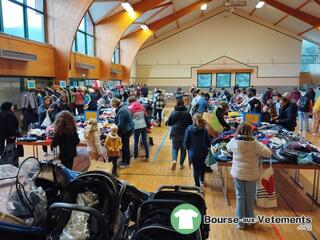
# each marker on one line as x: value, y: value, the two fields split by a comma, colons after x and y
x: 316, y: 157
x: 305, y: 159
x: 221, y: 158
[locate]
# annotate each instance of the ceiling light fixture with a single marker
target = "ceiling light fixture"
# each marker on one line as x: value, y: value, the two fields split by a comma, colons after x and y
x: 204, y: 7
x: 127, y: 6
x: 145, y: 27
x: 260, y: 4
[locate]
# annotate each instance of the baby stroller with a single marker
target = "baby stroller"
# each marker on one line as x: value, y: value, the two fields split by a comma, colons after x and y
x: 154, y: 215
x: 96, y: 196
x: 26, y: 203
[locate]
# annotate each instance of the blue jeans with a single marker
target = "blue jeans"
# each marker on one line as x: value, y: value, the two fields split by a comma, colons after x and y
x: 125, y: 139
x: 177, y: 144
x: 143, y: 133
x: 198, y: 166
x: 245, y: 196
x: 303, y: 121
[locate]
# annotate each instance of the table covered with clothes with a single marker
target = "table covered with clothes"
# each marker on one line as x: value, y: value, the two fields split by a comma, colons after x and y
x: 290, y: 151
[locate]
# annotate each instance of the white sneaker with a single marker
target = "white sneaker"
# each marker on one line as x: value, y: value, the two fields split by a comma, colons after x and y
x: 174, y: 165
x: 181, y: 166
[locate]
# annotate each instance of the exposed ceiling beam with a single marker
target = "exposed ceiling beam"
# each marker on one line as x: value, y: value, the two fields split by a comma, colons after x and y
x: 317, y: 1
x: 312, y: 20
x: 252, y: 12
x: 164, y: 7
x: 308, y: 30
x: 178, y: 14
x: 287, y: 15
x: 174, y: 11
x: 118, y: 5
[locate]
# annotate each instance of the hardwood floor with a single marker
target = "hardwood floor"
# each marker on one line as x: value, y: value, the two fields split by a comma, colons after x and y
x: 151, y: 175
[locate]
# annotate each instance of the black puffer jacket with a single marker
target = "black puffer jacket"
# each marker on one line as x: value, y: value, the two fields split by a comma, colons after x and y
x: 179, y: 119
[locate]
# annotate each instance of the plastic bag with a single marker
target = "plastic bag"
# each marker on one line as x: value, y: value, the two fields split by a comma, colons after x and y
x: 78, y: 227
x: 47, y: 121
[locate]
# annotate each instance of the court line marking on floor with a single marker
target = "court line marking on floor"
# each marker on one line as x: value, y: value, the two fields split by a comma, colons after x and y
x: 156, y: 175
x: 277, y: 232
x: 161, y: 145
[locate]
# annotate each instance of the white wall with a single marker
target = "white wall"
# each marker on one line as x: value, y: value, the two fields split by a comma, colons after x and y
x: 174, y: 60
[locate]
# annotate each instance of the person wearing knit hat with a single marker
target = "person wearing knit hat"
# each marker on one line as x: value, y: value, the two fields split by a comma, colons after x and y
x: 9, y: 126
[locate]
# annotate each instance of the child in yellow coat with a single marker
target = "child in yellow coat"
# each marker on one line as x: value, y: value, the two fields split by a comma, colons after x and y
x: 113, y: 145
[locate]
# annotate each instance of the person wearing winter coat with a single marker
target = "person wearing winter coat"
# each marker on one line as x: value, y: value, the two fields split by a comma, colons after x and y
x: 125, y: 125
x: 179, y: 120
x: 66, y: 138
x: 245, y: 169
x: 305, y: 105
x: 139, y: 116
x: 160, y: 103
x: 9, y: 127
x: 197, y: 142
x: 92, y: 136
x: 288, y: 114
x: 42, y: 113
x: 113, y: 146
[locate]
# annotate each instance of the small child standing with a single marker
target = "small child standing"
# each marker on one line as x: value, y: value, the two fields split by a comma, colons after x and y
x: 197, y: 142
x: 113, y: 145
x: 92, y: 135
x: 245, y: 169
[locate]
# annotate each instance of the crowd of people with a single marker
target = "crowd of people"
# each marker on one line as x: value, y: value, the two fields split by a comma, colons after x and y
x: 59, y: 107
x: 189, y: 131
x: 274, y: 107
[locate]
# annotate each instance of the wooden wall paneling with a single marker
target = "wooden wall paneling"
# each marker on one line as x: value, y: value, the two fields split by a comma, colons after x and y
x: 76, y: 72
x: 214, y: 71
x: 63, y: 19
x: 42, y: 67
x: 110, y: 31
x: 116, y: 72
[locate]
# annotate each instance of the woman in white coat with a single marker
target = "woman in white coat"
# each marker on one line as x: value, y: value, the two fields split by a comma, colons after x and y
x: 245, y: 169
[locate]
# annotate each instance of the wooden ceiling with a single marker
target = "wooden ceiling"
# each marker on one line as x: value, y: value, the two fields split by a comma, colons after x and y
x: 301, y: 17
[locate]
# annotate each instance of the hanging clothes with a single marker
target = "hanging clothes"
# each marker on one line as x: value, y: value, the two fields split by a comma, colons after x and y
x: 27, y: 99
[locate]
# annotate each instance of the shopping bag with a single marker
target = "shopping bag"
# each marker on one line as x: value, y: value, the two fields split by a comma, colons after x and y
x: 213, y: 121
x: 210, y: 159
x: 47, y: 121
x: 100, y: 166
x: 10, y: 155
x: 266, y: 193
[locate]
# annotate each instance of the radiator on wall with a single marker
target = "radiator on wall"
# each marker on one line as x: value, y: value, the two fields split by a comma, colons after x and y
x: 7, y: 54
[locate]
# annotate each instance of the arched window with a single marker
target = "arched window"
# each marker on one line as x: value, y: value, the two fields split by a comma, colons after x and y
x: 84, y: 39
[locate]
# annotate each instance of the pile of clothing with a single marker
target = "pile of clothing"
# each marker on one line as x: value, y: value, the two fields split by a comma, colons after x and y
x: 287, y: 147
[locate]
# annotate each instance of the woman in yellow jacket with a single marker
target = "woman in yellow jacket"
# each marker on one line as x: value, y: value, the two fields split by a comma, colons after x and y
x: 316, y: 116
x: 113, y: 145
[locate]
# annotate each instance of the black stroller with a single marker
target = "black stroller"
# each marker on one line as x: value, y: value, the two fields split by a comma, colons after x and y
x: 154, y: 222
x: 27, y: 216
x: 107, y: 206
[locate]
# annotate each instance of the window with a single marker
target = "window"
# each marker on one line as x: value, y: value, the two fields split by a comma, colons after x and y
x: 116, y: 55
x: 84, y: 40
x: 243, y: 79
x: 223, y: 80
x: 310, y: 55
x: 23, y: 18
x: 204, y: 80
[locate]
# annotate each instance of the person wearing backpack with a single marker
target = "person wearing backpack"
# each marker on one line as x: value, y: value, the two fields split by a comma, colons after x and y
x: 305, y: 105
